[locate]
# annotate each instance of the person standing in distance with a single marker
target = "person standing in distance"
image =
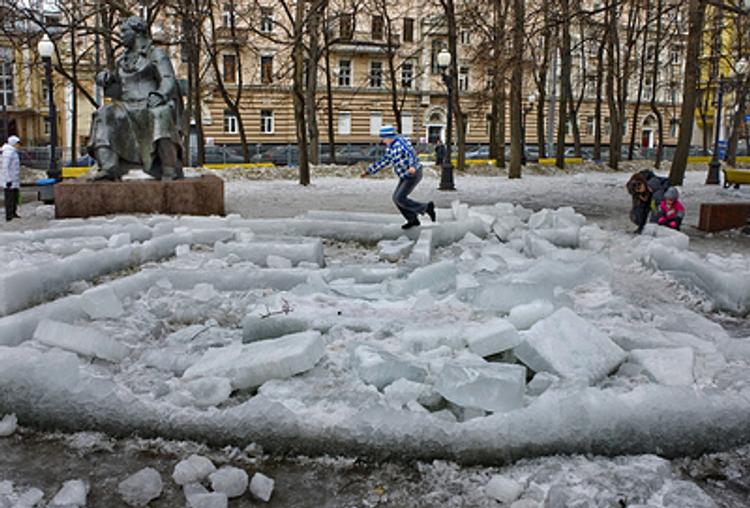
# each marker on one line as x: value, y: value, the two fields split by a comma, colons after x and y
x: 10, y: 171
x: 400, y: 155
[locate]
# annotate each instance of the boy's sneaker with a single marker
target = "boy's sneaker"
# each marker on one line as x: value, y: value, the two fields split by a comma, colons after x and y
x: 410, y: 224
x: 431, y: 211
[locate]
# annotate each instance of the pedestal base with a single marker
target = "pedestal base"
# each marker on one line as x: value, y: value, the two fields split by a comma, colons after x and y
x: 189, y: 196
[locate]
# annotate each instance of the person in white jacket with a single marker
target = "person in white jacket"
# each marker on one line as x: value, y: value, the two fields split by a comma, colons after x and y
x: 10, y: 175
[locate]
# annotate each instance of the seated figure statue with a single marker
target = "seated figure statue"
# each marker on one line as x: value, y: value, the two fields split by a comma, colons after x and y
x: 142, y: 126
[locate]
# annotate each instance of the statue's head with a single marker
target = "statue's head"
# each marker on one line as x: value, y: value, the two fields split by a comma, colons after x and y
x: 131, y: 29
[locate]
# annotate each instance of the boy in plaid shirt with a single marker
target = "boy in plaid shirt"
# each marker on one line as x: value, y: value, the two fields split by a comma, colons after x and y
x: 401, y: 156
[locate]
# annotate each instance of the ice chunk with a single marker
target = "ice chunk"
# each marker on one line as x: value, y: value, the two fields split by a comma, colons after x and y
x: 504, y: 296
x: 569, y: 346
x: 525, y: 315
x: 380, y: 368
x: 503, y: 489
x: 686, y: 494
x: 169, y: 359
x: 466, y: 281
x: 256, y: 328
x: 29, y: 498
x: 402, y: 391
x: 309, y: 250
x: 118, y: 240
x: 667, y: 237
x: 8, y: 425
x: 672, y: 366
x: 561, y: 237
x: 84, y: 341
x: 192, y: 470
x: 261, y: 486
x: 72, y: 493
x: 182, y: 250
x: 204, y: 292
x: 209, y: 391
x: 250, y: 365
x: 426, y: 339
x: 232, y: 481
x: 536, y: 247
x: 492, y: 264
x: 539, y: 384
x: 101, y: 302
x: 496, y: 387
x: 421, y: 254
x: 141, y: 487
x: 210, y: 500
x: 273, y: 261
x: 492, y: 337
x: 393, y: 250
x: 435, y: 278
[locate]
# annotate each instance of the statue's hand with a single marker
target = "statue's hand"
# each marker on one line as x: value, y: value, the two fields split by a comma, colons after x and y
x: 155, y: 99
x: 103, y: 78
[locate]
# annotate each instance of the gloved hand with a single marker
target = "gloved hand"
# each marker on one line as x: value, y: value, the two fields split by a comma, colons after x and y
x: 673, y: 224
x: 661, y: 220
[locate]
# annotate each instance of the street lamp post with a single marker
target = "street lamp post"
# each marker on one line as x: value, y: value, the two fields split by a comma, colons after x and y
x: 446, y: 171
x: 46, y: 48
x: 526, y: 110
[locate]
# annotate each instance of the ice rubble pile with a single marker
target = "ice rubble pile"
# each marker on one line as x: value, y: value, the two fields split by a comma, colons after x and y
x: 256, y: 335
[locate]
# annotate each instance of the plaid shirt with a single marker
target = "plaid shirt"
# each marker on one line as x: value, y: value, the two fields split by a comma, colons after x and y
x: 401, y: 155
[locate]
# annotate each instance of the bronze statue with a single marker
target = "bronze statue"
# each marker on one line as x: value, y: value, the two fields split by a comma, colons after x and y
x: 142, y: 126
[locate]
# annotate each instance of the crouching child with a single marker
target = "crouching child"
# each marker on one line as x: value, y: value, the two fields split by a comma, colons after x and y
x: 671, y: 210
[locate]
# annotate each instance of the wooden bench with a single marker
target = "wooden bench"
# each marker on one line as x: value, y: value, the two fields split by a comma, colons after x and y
x: 721, y: 216
x: 736, y: 177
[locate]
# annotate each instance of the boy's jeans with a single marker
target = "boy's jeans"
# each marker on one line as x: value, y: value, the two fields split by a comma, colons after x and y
x: 408, y: 207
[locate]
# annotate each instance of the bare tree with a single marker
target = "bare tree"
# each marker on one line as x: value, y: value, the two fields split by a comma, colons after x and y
x: 516, y: 86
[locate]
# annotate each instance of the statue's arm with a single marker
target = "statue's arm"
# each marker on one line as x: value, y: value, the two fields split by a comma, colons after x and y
x: 168, y: 85
x: 110, y: 82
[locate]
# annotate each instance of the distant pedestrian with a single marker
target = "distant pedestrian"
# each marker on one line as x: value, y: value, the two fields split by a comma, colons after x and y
x: 439, y: 152
x: 400, y: 154
x: 671, y: 209
x: 10, y: 175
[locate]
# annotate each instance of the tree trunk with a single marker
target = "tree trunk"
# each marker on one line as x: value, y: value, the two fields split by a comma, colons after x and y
x: 615, y: 123
x: 460, y: 121
x: 502, y: 109
x: 696, y: 17
x: 516, y: 87
x: 565, y: 92
x: 311, y: 90
x: 298, y: 92
x: 655, y: 79
x: 329, y: 94
x: 641, y: 78
x: 598, y: 104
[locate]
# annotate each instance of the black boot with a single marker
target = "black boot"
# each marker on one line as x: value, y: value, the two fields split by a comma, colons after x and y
x: 410, y: 224
x: 431, y: 211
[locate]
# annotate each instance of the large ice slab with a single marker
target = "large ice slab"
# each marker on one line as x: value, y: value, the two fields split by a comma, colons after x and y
x: 101, y: 302
x: 569, y: 346
x: 435, y: 278
x: 85, y: 341
x: 251, y: 365
x: 496, y: 387
x: 381, y: 368
x: 256, y: 328
x: 309, y: 251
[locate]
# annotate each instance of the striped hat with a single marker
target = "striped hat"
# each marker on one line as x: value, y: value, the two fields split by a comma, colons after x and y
x: 388, y: 131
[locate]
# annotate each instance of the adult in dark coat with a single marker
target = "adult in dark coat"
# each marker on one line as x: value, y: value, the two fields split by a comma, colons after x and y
x: 439, y: 152
x: 647, y: 190
x: 142, y: 126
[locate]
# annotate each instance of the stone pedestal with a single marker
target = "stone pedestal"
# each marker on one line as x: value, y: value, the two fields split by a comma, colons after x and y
x: 721, y: 216
x: 189, y: 196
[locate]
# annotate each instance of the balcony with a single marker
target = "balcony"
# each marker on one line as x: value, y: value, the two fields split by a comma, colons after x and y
x: 361, y: 42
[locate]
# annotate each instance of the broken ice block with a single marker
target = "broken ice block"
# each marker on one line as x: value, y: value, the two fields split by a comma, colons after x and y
x: 209, y: 391
x: 503, y: 489
x: 393, y: 250
x: 209, y: 500
x: 496, y: 387
x: 72, y: 493
x: 194, y: 469
x: 525, y: 315
x: 8, y: 425
x: 380, y: 368
x: 101, y: 302
x: 261, y: 486
x: 232, y: 481
x: 569, y: 346
x: 256, y: 328
x: 403, y: 391
x: 142, y: 487
x: 311, y: 250
x: 539, y: 384
x: 667, y: 366
x: 251, y: 365
x: 435, y: 278
x: 273, y: 261
x: 84, y: 341
x: 492, y: 337
x: 421, y: 254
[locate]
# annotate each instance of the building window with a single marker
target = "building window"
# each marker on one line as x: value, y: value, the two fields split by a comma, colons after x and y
x: 675, y: 55
x: 266, y: 121
x: 47, y: 126
x: 230, y: 122
x: 407, y: 74
x: 230, y: 68
x: 591, y: 125
x: 376, y: 74
x: 674, y: 128
x: 648, y: 86
x: 465, y: 37
x: 463, y: 79
x: 408, y: 29
x: 487, y: 124
x: 345, y: 73
x: 345, y: 123
x: 346, y: 27
x: 650, y: 53
x: 605, y: 126
x: 407, y: 123
x: 376, y: 121
x: 377, y: 28
x: 6, y: 84
x: 266, y: 20
x: 227, y: 15
x: 591, y: 86
x: 266, y: 69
